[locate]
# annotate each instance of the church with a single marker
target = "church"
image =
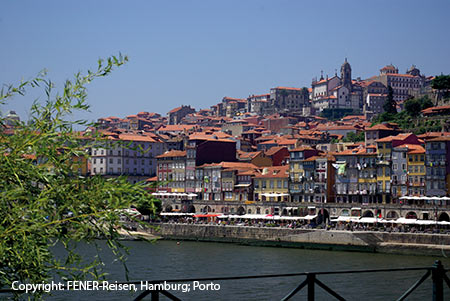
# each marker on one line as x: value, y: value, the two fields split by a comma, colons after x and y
x: 337, y: 92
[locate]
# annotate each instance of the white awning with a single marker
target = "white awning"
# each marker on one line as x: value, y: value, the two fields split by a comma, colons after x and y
x: 406, y: 221
x: 368, y: 220
x: 425, y: 222
x: 175, y: 214
x: 274, y: 194
x: 309, y: 217
x: 242, y: 185
x: 347, y: 218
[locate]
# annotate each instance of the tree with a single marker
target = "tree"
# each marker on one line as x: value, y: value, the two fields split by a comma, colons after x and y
x: 44, y: 201
x: 390, y: 106
x: 353, y: 137
x: 413, y: 107
x: 442, y: 84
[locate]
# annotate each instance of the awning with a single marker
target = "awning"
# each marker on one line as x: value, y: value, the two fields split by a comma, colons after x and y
x: 175, y: 214
x: 347, y: 219
x: 368, y: 220
x: 242, y: 185
x: 207, y: 215
x: 425, y: 222
x: 309, y: 217
x: 406, y: 221
x: 274, y: 194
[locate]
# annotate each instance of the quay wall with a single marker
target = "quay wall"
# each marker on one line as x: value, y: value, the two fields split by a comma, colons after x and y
x: 366, y: 241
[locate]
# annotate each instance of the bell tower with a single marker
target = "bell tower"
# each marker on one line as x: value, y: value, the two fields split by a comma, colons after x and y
x: 346, y: 75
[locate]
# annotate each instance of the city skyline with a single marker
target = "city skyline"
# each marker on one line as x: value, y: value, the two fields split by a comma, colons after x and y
x: 195, y: 54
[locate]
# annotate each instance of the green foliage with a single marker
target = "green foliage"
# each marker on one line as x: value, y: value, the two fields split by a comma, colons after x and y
x: 441, y: 82
x: 390, y: 106
x: 352, y: 137
x: 413, y: 106
x: 44, y: 201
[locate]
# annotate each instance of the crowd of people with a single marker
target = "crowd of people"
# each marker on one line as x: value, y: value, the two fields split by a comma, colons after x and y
x: 310, y: 224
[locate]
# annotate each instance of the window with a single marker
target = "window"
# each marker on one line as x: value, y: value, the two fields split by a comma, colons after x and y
x: 110, y: 160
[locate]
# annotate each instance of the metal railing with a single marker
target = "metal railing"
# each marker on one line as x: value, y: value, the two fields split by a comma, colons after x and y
x: 437, y: 273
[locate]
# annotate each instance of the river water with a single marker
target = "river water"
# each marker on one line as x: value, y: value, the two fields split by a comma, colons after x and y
x: 169, y: 260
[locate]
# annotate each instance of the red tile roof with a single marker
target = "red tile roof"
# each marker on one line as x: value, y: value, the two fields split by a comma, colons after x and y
x: 274, y: 172
x: 172, y: 154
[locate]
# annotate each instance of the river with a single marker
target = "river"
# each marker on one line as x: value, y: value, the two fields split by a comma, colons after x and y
x: 169, y: 260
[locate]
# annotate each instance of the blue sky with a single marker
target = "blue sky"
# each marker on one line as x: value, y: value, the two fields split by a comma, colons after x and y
x: 196, y: 52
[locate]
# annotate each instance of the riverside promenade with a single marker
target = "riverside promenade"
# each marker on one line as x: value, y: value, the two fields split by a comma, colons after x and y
x: 342, y: 240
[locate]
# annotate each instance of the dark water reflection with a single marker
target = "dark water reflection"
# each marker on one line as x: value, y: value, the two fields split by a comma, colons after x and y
x: 168, y: 260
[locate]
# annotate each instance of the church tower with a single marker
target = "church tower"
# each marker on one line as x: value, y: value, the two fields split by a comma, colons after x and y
x: 346, y: 75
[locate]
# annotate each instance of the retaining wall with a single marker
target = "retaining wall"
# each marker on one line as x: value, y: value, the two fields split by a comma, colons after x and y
x: 384, y: 242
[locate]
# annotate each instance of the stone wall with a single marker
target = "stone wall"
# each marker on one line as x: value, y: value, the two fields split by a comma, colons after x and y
x: 401, y: 243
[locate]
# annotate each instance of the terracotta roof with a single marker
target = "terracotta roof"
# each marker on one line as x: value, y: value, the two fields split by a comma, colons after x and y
x: 400, y: 75
x: 432, y: 110
x: 360, y: 117
x: 235, y: 99
x: 175, y: 110
x: 301, y: 148
x: 176, y: 127
x: 389, y: 67
x: 274, y: 172
x: 443, y: 139
x: 274, y: 149
x: 378, y: 94
x: 397, y: 137
x: 288, y: 88
x: 136, y: 137
x: 380, y: 126
x: 231, y: 165
x: 430, y: 135
x: 152, y: 179
x: 247, y: 155
x: 413, y: 148
x: 172, y: 153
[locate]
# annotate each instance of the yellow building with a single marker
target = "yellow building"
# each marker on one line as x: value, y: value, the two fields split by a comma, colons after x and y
x: 384, y: 168
x: 272, y: 184
x: 416, y: 170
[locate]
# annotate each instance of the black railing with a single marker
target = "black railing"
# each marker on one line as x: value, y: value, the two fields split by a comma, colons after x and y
x: 437, y: 273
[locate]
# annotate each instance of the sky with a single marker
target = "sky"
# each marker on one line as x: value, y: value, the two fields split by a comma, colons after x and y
x: 196, y: 52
